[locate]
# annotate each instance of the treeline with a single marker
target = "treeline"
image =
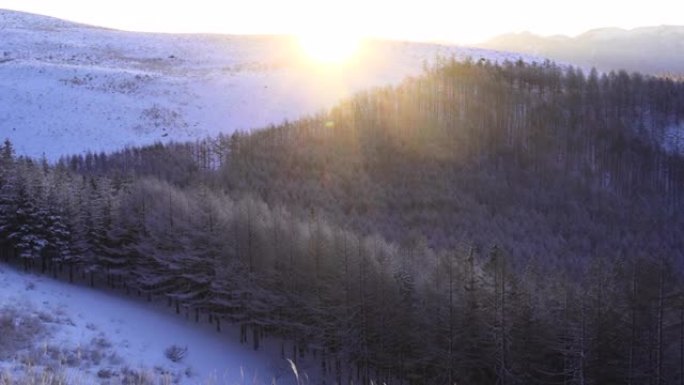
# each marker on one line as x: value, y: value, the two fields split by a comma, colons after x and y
x: 482, y: 223
x: 539, y: 159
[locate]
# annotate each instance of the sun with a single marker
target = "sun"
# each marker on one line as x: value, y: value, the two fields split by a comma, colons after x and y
x: 329, y: 48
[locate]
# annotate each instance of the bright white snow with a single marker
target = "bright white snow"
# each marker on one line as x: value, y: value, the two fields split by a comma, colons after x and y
x: 67, y: 88
x: 132, y: 334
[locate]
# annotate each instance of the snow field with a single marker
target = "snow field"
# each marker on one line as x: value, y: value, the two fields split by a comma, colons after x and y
x: 67, y: 88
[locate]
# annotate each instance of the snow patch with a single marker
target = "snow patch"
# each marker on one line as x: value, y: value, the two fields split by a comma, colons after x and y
x: 673, y: 138
x: 93, y: 335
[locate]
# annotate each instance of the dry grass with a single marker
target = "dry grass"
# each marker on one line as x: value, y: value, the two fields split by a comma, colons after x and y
x: 25, y: 359
x: 18, y: 330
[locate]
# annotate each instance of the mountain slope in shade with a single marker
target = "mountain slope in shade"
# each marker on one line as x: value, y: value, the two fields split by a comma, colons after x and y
x: 654, y: 50
x: 69, y: 88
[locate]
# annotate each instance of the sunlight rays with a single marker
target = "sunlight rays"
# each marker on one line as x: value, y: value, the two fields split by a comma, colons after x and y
x: 329, y: 47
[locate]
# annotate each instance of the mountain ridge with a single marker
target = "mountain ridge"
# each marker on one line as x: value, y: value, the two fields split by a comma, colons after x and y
x: 651, y: 49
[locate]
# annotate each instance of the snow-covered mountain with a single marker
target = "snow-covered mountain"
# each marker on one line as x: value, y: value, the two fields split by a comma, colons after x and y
x: 655, y: 50
x: 68, y: 88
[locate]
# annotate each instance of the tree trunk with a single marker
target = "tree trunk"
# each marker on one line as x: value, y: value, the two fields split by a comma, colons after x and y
x: 681, y: 345
x: 450, y: 373
x: 661, y: 295
x: 632, y: 341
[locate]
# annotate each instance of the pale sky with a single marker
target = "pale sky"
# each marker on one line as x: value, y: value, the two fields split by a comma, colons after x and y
x: 437, y: 20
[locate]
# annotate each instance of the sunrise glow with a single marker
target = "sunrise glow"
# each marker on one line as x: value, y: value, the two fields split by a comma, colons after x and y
x: 329, y: 48
x: 427, y: 20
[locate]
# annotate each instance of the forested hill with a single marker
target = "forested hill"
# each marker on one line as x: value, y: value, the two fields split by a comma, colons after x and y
x: 480, y: 224
x: 545, y: 161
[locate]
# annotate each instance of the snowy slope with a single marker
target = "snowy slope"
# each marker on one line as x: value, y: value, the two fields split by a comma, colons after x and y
x: 95, y: 332
x: 69, y: 88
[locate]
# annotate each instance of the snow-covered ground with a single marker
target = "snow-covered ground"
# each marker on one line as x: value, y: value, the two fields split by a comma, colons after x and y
x: 68, y: 88
x: 95, y: 337
x: 673, y: 138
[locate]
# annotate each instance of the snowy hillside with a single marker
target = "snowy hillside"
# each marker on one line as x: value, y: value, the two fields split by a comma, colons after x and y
x: 68, y: 88
x: 88, y: 337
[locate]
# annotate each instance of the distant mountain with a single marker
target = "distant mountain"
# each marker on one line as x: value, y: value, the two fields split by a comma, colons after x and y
x: 654, y: 50
x: 70, y: 88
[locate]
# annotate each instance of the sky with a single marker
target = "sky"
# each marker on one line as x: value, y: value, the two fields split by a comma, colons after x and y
x: 455, y: 21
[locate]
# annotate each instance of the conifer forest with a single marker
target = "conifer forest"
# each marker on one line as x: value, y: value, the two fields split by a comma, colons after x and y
x: 503, y: 223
